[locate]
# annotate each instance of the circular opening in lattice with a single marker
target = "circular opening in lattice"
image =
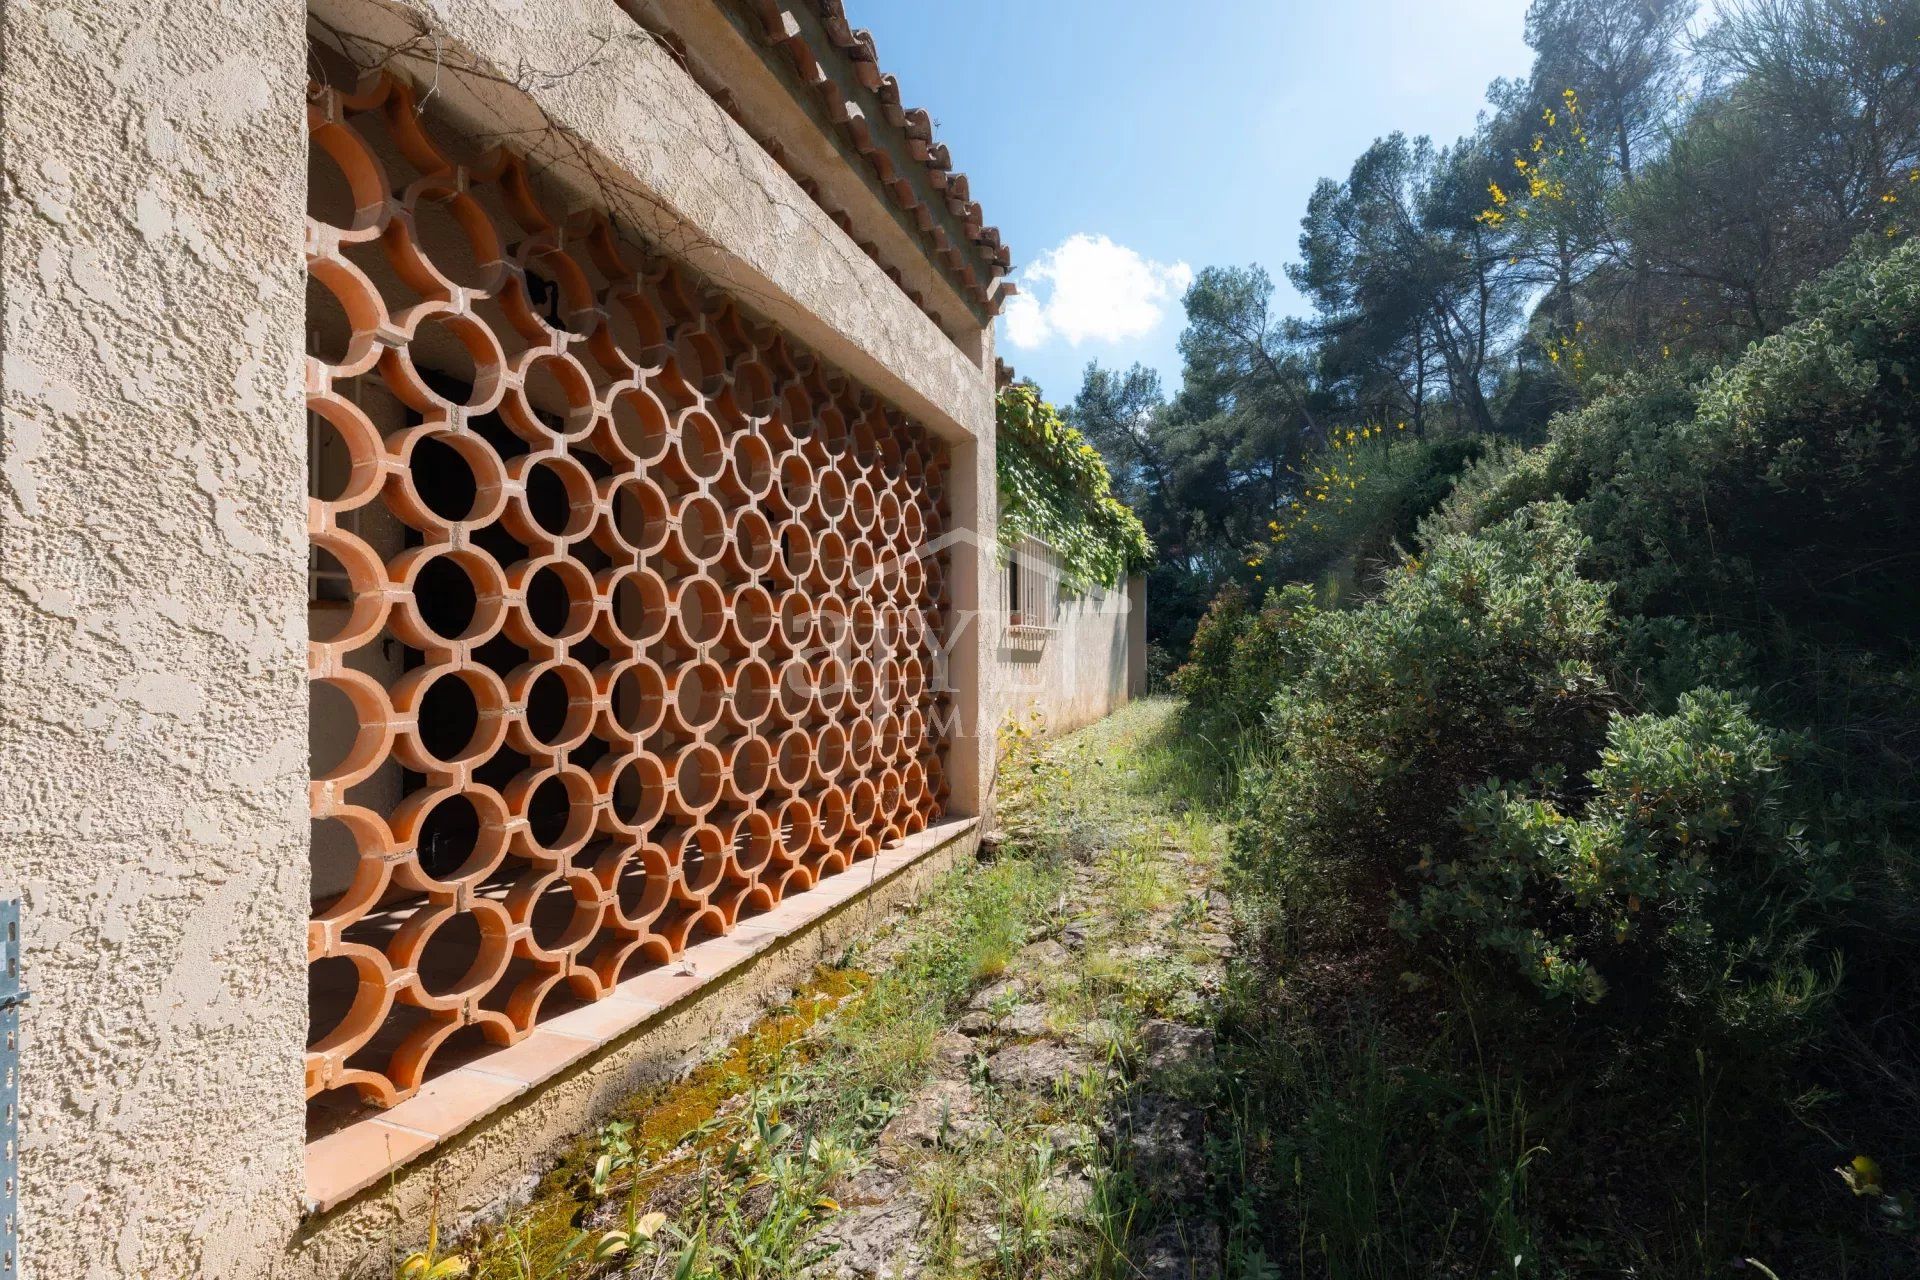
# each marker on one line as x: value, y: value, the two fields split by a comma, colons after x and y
x: 830, y: 749
x: 912, y: 527
x: 864, y: 621
x: 558, y: 919
x: 449, y: 717
x: 638, y: 698
x: 863, y: 803
x: 558, y: 394
x: 452, y: 232
x: 913, y: 579
x: 702, y: 859
x: 862, y: 565
x: 331, y: 197
x: 639, y: 794
x: 862, y: 504
x: 697, y: 357
x: 635, y: 329
x: 557, y: 497
x: 753, y: 541
x: 554, y: 593
x: 830, y: 813
x: 751, y: 617
x: 793, y: 825
x: 703, y: 529
x: 702, y: 451
x: 831, y: 493
x: 446, y: 349
x: 639, y: 606
x: 445, y: 597
x: 860, y: 740
x: 333, y: 988
x: 889, y: 743
x: 796, y: 483
x: 796, y: 550
x: 700, y: 610
x: 640, y: 425
x: 913, y: 679
x: 553, y: 808
x: 334, y: 590
x: 453, y: 960
x: 329, y: 329
x: 793, y: 761
x: 832, y: 619
x: 697, y: 694
x: 887, y: 637
x: 830, y: 557
x: 753, y: 840
x: 752, y: 767
x: 640, y: 517
x: 641, y: 887
x: 861, y: 682
x: 329, y: 462
x: 444, y: 479
x: 865, y: 450
x: 752, y: 691
x: 333, y: 725
x: 696, y: 778
x: 889, y: 515
x: 552, y: 700
x: 752, y: 466
x: 795, y: 689
x: 333, y: 854
x: 796, y: 619
x: 449, y: 837
x: 556, y: 288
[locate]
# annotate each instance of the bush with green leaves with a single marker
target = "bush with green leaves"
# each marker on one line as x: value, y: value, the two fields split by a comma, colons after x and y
x: 1481, y: 661
x: 1242, y: 657
x: 1669, y: 877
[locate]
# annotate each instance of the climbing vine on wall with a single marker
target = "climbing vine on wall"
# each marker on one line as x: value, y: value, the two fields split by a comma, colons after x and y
x: 1054, y: 487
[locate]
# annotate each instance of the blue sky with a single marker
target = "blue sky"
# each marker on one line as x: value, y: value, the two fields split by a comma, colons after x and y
x: 1121, y: 144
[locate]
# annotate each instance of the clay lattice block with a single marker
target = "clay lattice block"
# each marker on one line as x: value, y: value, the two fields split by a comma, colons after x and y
x: 622, y: 630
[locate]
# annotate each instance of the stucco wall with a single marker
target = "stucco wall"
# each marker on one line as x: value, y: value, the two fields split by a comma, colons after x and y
x: 152, y: 628
x: 152, y: 633
x: 1075, y: 675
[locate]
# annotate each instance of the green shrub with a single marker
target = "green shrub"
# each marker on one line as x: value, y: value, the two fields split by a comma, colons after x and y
x: 1673, y: 874
x: 1479, y: 662
x: 1241, y: 658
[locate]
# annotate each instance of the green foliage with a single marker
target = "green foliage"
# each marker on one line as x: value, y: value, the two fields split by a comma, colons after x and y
x: 1362, y: 498
x: 1620, y: 763
x: 1054, y: 487
x: 1241, y: 658
x: 1673, y: 857
x: 1477, y: 663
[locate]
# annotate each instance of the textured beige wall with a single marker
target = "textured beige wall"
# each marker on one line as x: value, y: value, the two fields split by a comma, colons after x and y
x: 1079, y: 674
x: 152, y: 627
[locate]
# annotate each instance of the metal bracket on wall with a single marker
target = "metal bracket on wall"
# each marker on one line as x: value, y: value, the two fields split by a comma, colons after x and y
x: 12, y: 996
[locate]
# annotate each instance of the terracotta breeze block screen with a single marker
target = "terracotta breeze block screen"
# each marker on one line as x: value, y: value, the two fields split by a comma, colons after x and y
x: 621, y: 628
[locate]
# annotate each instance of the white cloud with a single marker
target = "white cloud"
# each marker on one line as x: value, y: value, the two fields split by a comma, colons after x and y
x: 1090, y: 287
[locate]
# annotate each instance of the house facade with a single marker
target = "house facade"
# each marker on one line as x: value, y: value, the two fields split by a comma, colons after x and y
x: 497, y: 517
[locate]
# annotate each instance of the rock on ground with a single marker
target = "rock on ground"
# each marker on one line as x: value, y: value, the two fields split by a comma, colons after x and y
x: 1031, y: 1068
x: 1169, y: 1046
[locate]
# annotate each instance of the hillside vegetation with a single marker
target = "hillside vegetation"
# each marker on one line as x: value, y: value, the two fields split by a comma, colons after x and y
x: 1578, y: 860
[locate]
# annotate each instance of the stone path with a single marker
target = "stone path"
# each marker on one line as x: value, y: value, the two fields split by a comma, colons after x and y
x: 1070, y: 1055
